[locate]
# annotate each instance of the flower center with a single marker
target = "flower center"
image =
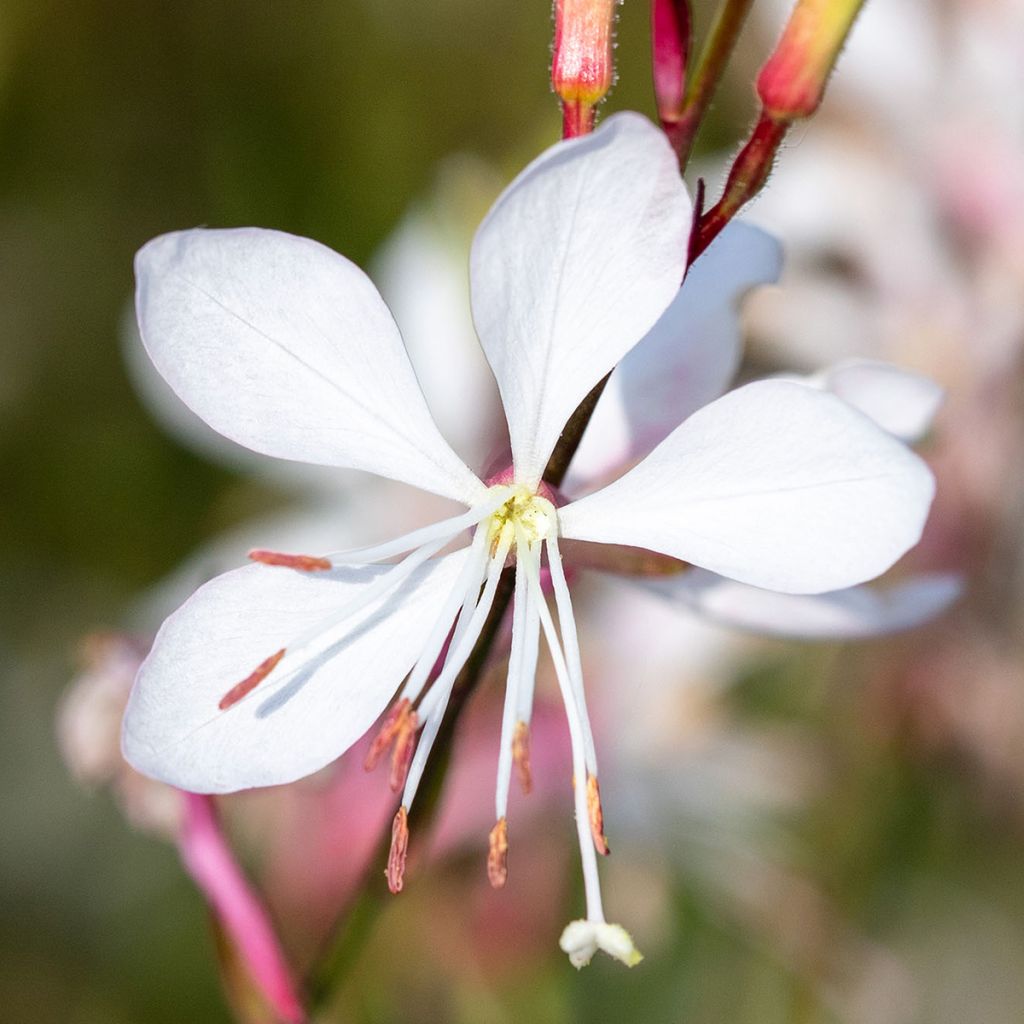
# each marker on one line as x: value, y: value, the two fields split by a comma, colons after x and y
x: 534, y: 515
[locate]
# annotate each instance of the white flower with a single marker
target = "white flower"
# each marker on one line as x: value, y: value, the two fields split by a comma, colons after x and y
x: 270, y: 672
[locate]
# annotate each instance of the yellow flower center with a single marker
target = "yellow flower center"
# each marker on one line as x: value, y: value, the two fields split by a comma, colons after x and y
x: 534, y: 515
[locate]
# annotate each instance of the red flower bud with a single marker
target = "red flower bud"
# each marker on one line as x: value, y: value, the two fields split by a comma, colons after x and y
x: 792, y: 83
x: 582, y: 68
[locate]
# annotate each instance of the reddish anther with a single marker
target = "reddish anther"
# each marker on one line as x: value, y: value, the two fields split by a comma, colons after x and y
x: 521, y: 756
x: 398, y: 728
x: 497, y: 855
x: 399, y: 848
x: 401, y: 753
x: 251, y: 681
x: 386, y: 734
x: 304, y: 563
x: 596, y: 815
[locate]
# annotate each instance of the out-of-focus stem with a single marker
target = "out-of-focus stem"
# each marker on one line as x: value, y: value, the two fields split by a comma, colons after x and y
x: 790, y: 86
x: 208, y: 859
x: 707, y: 72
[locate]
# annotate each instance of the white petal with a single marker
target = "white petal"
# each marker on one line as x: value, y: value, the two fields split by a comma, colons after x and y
x: 421, y: 272
x: 573, y: 265
x: 293, y: 723
x: 686, y: 360
x: 285, y: 347
x: 900, y: 401
x: 856, y: 612
x: 776, y: 484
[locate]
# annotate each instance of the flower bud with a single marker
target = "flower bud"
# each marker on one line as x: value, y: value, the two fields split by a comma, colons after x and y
x: 581, y: 68
x: 670, y: 48
x: 792, y: 82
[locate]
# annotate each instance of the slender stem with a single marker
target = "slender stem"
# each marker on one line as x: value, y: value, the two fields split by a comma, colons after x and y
x: 747, y: 177
x: 569, y: 440
x: 708, y: 71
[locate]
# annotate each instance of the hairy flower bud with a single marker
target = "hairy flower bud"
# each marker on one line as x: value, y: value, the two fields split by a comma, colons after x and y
x: 582, y: 67
x: 791, y: 84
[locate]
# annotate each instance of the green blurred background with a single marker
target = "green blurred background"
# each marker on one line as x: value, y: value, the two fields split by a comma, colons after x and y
x: 121, y: 120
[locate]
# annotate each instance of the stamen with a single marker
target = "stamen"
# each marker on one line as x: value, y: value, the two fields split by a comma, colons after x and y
x: 386, y: 734
x: 401, y: 756
x: 446, y: 528
x: 399, y: 848
x: 571, y: 644
x: 251, y: 681
x: 506, y: 748
x: 398, y: 728
x: 304, y: 563
x: 467, y: 586
x: 521, y: 756
x: 531, y: 650
x: 588, y: 858
x: 497, y: 855
x: 319, y: 635
x: 596, y: 815
x: 434, y: 703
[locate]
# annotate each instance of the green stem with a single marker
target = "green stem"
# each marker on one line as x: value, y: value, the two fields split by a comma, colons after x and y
x: 708, y: 71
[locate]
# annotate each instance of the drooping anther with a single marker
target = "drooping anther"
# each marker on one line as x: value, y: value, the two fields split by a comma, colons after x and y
x: 399, y: 848
x: 304, y: 563
x: 596, y: 815
x: 497, y: 855
x: 521, y: 756
x: 386, y: 734
x: 399, y: 728
x: 401, y: 754
x: 251, y: 681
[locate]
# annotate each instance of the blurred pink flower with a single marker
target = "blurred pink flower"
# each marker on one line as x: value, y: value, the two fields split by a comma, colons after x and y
x: 88, y: 728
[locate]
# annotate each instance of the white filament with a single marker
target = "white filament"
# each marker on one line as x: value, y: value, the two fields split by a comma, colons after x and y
x: 467, y: 585
x: 518, y: 668
x: 531, y: 648
x: 447, y: 528
x: 591, y: 880
x: 570, y: 640
x: 436, y: 700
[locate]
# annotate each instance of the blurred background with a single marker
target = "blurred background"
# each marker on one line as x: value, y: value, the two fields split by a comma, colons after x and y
x: 802, y: 832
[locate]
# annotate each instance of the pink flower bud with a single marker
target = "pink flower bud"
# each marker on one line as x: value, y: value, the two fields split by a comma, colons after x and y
x: 670, y: 47
x: 581, y: 68
x: 792, y: 82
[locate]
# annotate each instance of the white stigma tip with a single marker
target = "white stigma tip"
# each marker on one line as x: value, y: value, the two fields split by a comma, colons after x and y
x: 582, y: 939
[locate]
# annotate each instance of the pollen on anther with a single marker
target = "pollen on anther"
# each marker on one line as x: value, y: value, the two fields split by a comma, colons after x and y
x: 497, y: 855
x: 251, y: 681
x: 398, y: 731
x: 386, y: 734
x: 521, y: 756
x: 401, y: 756
x: 399, y: 847
x: 303, y: 563
x: 596, y: 815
